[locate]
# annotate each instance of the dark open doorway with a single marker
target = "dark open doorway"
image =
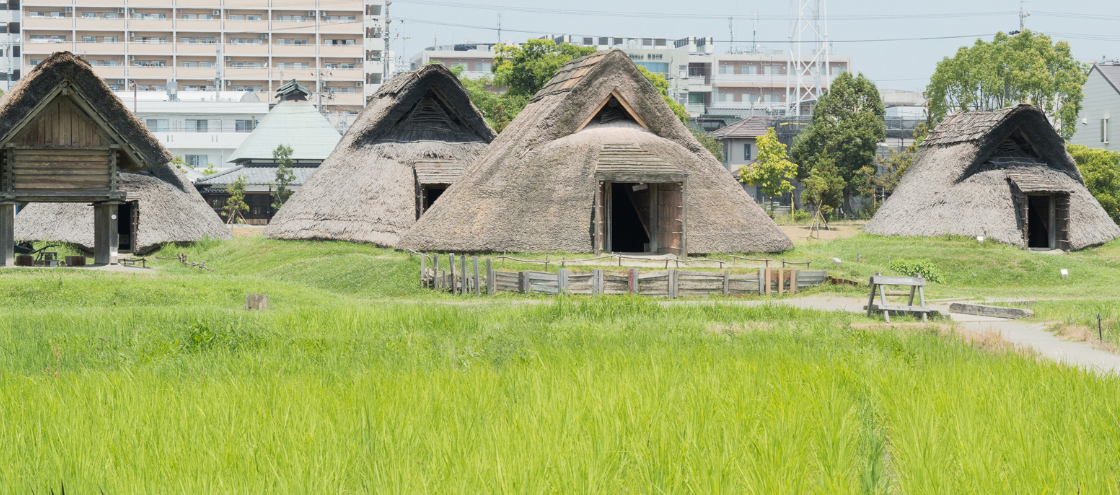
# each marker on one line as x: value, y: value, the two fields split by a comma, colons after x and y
x: 629, y: 218
x: 1040, y: 222
x: 128, y: 216
x: 428, y: 196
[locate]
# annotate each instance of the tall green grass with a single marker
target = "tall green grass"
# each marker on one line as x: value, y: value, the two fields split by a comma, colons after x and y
x: 611, y: 396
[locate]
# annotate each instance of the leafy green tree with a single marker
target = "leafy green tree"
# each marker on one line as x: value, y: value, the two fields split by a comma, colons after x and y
x: 236, y: 206
x: 210, y: 170
x: 498, y: 109
x: 1024, y: 68
x: 1101, y: 171
x: 843, y: 134
x: 773, y: 171
x: 662, y: 86
x: 284, y: 175
x: 896, y: 165
x: 527, y: 68
x: 824, y: 187
x: 709, y: 142
x: 181, y: 164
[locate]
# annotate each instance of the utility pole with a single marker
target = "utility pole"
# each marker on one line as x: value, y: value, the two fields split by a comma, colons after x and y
x: 1023, y: 15
x: 731, y: 29
x: 754, y: 34
x: 499, y: 28
x: 385, y: 59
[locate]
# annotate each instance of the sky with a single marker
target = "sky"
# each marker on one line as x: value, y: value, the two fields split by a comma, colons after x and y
x: 896, y: 43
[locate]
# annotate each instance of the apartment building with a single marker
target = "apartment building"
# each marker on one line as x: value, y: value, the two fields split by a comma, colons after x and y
x: 334, y: 47
x: 476, y: 59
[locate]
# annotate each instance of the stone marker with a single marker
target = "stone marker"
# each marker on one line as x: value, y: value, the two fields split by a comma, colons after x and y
x: 256, y: 302
x: 993, y: 311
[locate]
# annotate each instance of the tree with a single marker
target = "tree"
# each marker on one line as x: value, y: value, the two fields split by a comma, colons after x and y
x: 896, y: 165
x: 235, y: 205
x: 284, y: 175
x: 498, y: 109
x: 773, y: 171
x: 1101, y: 171
x: 709, y: 142
x: 662, y: 86
x: 824, y: 187
x: 843, y: 134
x: 1024, y: 68
x: 210, y: 170
x: 527, y: 68
x: 181, y: 164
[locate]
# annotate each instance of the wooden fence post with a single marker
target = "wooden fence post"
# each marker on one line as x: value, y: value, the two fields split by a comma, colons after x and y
x: 595, y: 282
x: 463, y: 280
x: 562, y: 280
x: 726, y: 283
x: 793, y: 282
x: 521, y: 285
x: 781, y: 279
x: 451, y: 258
x: 491, y: 284
x: 435, y: 271
x: 672, y: 289
x: 632, y: 281
x: 761, y: 279
x: 423, y: 279
x: 766, y: 276
x: 477, y: 289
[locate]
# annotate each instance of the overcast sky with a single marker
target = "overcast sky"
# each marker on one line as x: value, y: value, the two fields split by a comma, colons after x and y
x: 1090, y: 26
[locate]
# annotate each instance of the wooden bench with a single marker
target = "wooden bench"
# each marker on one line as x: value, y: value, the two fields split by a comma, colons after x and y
x: 134, y: 261
x: 916, y: 284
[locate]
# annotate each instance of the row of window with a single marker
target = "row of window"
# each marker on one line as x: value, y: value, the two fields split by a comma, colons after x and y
x: 192, y: 17
x: 750, y: 98
x: 200, y: 125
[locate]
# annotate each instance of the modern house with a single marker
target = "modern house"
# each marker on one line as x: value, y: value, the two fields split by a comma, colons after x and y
x: 1004, y: 175
x: 1102, y: 101
x: 295, y: 123
x: 596, y: 162
x: 414, y: 140
x: 90, y: 172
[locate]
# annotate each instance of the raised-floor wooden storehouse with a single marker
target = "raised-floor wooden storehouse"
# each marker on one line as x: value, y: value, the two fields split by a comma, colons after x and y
x: 88, y: 170
x: 1004, y: 175
x: 596, y: 162
x: 413, y: 140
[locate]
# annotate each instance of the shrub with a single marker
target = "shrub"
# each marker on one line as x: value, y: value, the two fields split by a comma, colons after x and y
x: 921, y: 267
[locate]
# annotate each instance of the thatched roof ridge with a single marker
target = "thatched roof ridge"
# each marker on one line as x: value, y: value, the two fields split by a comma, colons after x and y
x: 958, y: 184
x: 365, y: 190
x: 42, y: 80
x: 170, y: 210
x: 533, y: 188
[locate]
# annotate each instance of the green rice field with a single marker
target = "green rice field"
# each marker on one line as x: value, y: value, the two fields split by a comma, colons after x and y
x: 358, y: 381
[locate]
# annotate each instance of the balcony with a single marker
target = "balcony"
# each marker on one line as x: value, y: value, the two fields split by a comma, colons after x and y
x: 344, y: 74
x: 299, y: 74
x: 56, y: 23
x: 212, y: 26
x: 345, y: 51
x: 98, y: 24
x: 204, y: 49
x: 344, y: 98
x: 293, y: 50
x: 347, y: 27
x: 260, y: 50
x: 205, y: 73
x: 46, y: 48
x: 256, y: 4
x: 695, y: 108
x: 34, y: 3
x: 98, y: 48
x: 260, y: 74
x: 150, y: 25
x: 216, y: 4
x: 200, y: 140
x: 109, y: 72
x: 293, y: 26
x: 333, y: 5
x: 149, y: 72
x: 246, y: 27
x: 750, y: 80
x: 142, y: 48
x: 291, y: 5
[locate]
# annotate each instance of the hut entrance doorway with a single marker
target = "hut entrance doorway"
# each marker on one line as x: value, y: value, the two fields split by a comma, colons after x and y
x: 128, y: 216
x: 428, y: 196
x: 1047, y: 221
x: 636, y: 217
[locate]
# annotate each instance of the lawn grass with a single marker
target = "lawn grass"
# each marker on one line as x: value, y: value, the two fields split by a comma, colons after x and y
x: 358, y: 382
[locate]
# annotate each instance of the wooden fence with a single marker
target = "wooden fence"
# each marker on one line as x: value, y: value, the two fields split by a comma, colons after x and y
x: 459, y: 276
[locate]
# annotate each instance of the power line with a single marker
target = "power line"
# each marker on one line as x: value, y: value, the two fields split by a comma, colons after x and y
x: 665, y: 15
x: 880, y: 40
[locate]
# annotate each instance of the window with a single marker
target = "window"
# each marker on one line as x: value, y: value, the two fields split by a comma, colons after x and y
x: 149, y: 63
x: 197, y: 161
x: 290, y: 41
x: 339, y: 42
x: 604, y: 41
x: 89, y: 39
x: 726, y: 97
x: 194, y: 41
x: 292, y: 18
x: 149, y: 16
x: 197, y: 125
x: 108, y: 39
x: 339, y: 18
x: 250, y: 65
x: 293, y: 65
x: 246, y: 41
x: 773, y: 98
x: 245, y: 17
x: 338, y: 89
x: 726, y: 69
x: 110, y: 15
x: 837, y: 70
x: 1104, y: 131
x: 243, y: 125
x: 482, y: 66
x: 157, y: 125
x: 89, y: 15
x: 750, y: 69
x: 747, y: 152
x: 588, y: 41
x: 196, y: 17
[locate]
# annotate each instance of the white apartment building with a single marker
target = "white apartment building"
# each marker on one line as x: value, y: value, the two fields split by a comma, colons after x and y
x: 334, y: 47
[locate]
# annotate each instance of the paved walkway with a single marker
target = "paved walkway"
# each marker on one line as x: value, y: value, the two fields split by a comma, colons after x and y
x: 1032, y: 336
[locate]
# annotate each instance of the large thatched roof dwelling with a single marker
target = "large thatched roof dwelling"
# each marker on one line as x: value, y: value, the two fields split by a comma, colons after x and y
x: 409, y: 144
x: 101, y: 158
x: 596, y: 161
x: 1003, y: 174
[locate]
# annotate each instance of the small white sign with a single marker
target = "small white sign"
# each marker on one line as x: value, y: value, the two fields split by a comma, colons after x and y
x: 979, y: 238
x: 836, y: 260
x: 1065, y: 273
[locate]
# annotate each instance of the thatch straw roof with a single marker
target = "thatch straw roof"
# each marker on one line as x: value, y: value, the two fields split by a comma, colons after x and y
x: 143, y: 150
x: 534, y: 187
x: 171, y: 210
x: 965, y: 177
x: 366, y: 190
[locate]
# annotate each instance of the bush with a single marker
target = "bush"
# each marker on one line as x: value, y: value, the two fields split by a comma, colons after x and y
x: 922, y: 268
x: 800, y: 215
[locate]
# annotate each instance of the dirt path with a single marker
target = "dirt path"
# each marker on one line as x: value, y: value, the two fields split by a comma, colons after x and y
x: 1033, y: 336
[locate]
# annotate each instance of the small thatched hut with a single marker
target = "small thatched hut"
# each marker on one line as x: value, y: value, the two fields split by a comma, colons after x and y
x: 67, y: 116
x: 1002, y: 174
x: 409, y: 144
x: 596, y: 161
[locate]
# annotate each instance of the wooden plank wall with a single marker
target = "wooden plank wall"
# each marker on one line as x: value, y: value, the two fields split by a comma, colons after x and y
x: 669, y: 225
x: 61, y: 124
x: 61, y: 169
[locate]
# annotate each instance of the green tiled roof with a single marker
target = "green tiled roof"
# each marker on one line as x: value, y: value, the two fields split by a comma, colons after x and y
x: 297, y: 124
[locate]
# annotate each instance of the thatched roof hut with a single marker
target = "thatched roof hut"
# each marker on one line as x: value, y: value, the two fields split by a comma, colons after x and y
x: 409, y: 144
x: 1002, y: 174
x: 159, y: 204
x: 596, y: 161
